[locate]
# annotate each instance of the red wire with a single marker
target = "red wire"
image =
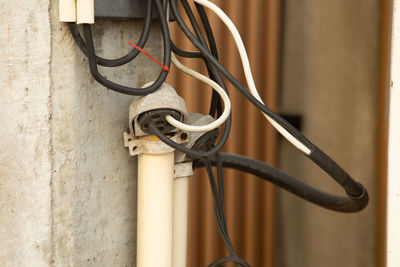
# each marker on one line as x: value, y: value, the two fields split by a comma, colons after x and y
x: 163, y: 67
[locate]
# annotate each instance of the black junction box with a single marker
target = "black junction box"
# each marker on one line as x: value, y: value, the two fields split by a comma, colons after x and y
x: 122, y: 9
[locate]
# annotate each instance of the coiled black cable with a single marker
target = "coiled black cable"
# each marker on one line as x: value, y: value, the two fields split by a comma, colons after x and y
x: 125, y: 89
x: 357, y: 195
x: 343, y: 204
x: 352, y: 188
x: 126, y: 58
x: 292, y: 130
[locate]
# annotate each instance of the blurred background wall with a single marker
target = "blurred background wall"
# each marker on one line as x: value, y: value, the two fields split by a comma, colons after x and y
x: 330, y: 77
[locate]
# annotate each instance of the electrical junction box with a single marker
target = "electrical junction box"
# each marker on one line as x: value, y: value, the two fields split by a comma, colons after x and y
x: 123, y: 9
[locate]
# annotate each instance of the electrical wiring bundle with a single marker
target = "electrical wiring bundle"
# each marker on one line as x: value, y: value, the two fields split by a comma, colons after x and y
x: 220, y: 110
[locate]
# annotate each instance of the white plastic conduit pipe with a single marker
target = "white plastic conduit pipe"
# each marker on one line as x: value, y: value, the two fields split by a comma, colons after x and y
x: 155, y: 207
x: 67, y: 10
x: 181, y: 189
x: 85, y: 11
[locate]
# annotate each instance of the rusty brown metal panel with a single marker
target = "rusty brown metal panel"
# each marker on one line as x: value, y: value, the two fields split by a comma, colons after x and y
x: 250, y: 203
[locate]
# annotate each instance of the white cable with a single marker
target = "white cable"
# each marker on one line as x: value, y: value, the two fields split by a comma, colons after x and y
x: 247, y: 71
x: 225, y: 98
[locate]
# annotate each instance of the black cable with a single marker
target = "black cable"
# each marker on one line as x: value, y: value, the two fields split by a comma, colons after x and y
x: 121, y: 88
x: 126, y: 58
x: 291, y: 184
x: 219, y: 210
x: 233, y: 259
x: 183, y: 53
x: 193, y: 153
x: 216, y: 102
x: 165, y: 6
x: 357, y: 195
x: 208, y: 29
x: 190, y: 152
x: 235, y: 82
x: 216, y: 193
x: 221, y: 188
x: 215, y: 99
x: 193, y: 22
x: 317, y: 156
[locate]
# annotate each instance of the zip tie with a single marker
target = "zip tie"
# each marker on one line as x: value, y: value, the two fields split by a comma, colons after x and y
x: 163, y: 67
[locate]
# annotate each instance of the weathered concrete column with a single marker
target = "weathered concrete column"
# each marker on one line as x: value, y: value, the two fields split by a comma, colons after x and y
x: 67, y: 185
x: 25, y: 158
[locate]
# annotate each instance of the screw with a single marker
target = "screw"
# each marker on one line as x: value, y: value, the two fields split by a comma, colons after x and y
x: 184, y: 136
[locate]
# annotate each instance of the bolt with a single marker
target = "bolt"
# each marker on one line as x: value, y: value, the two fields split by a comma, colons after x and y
x: 184, y: 136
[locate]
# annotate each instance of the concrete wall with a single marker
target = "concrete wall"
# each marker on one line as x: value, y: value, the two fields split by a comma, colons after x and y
x: 330, y: 76
x: 67, y: 185
x: 25, y: 161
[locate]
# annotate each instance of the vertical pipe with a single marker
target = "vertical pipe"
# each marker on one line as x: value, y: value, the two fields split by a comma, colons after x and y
x: 155, y: 193
x: 181, y: 188
x: 67, y: 10
x: 85, y: 11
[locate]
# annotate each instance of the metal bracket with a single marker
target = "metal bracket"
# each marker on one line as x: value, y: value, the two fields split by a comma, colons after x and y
x: 151, y: 144
x: 183, y: 169
x: 165, y: 98
x: 194, y: 137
